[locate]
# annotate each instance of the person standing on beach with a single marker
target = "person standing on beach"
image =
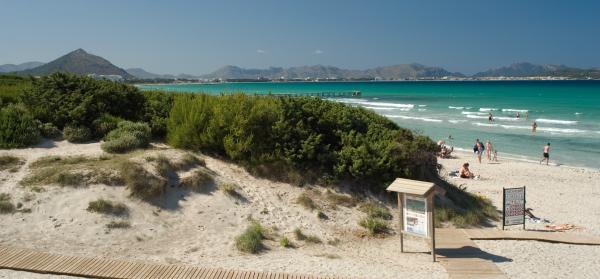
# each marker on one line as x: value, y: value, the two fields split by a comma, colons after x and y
x: 478, y: 149
x: 526, y: 115
x: 489, y: 150
x: 533, y: 126
x: 546, y: 154
x: 518, y: 115
x: 490, y: 117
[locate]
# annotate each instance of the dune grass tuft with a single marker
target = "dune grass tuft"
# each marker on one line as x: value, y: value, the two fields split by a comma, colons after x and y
x: 374, y: 225
x: 306, y: 202
x: 229, y: 189
x: 197, y: 181
x: 107, y: 207
x: 141, y: 183
x: 285, y: 242
x: 118, y: 225
x: 375, y: 210
x: 306, y: 238
x: 6, y: 205
x: 250, y: 241
x: 11, y: 163
x: 340, y: 199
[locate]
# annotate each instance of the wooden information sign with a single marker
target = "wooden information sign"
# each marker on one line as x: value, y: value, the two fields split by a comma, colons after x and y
x: 513, y: 206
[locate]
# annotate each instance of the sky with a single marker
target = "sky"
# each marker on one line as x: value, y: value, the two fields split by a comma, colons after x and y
x: 197, y: 37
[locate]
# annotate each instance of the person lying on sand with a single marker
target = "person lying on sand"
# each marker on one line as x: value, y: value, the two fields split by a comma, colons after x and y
x: 464, y: 172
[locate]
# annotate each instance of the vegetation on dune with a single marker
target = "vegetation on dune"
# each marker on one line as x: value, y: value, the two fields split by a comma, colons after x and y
x: 306, y: 238
x: 73, y: 171
x: 127, y: 137
x: 466, y: 209
x: 11, y: 163
x: 118, y: 225
x: 197, y: 181
x: 6, y: 205
x: 77, y: 134
x: 18, y: 128
x: 107, y: 207
x: 306, y: 202
x: 285, y: 242
x: 11, y: 88
x: 376, y: 221
x: 229, y: 189
x: 250, y: 241
x: 141, y: 183
x: 49, y: 131
x: 282, y: 136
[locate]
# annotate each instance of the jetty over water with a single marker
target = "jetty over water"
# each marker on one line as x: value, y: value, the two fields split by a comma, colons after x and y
x: 323, y: 94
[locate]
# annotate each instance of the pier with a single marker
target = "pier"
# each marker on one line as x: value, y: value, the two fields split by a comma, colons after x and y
x: 325, y: 94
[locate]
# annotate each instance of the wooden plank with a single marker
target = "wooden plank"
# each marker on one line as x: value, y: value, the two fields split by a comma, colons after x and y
x: 153, y: 272
x: 116, y: 272
x: 40, y: 262
x: 114, y: 268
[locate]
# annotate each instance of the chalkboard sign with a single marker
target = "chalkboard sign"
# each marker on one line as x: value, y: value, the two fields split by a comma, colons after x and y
x: 513, y: 205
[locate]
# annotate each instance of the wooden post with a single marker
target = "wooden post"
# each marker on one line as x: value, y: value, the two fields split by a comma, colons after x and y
x: 431, y: 224
x: 401, y: 207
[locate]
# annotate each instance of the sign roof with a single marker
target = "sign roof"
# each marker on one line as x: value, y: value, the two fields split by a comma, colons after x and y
x: 414, y: 187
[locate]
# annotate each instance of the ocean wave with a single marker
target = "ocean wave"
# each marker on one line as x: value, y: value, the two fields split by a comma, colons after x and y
x: 413, y: 118
x: 379, y: 104
x: 515, y: 110
x: 504, y: 118
x: 475, y: 116
x: 456, y: 121
x: 578, y: 113
x: 421, y: 109
x: 556, y: 121
x: 487, y: 109
x: 473, y: 112
x: 380, y: 108
x: 452, y: 107
x: 542, y: 129
x: 422, y: 106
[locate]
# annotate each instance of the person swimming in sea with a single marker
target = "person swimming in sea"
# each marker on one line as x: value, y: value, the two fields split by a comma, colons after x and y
x: 518, y: 114
x: 533, y: 126
x: 546, y: 154
x: 490, y: 117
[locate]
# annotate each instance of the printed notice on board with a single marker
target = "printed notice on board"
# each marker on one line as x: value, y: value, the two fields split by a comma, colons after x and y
x: 415, y: 215
x: 514, y: 204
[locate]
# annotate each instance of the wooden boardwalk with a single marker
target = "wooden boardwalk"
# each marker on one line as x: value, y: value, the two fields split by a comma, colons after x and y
x: 39, y: 262
x: 461, y: 257
x: 547, y: 236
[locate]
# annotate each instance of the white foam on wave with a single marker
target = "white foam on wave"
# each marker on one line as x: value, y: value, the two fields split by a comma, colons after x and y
x: 414, y: 118
x: 380, y: 108
x: 475, y: 116
x: 456, y: 121
x: 578, y: 113
x: 556, y: 121
x: 473, y: 112
x: 515, y: 110
x: 505, y: 118
x: 421, y: 109
x: 378, y: 104
x: 487, y: 109
x: 422, y: 106
x: 543, y: 129
x: 453, y: 107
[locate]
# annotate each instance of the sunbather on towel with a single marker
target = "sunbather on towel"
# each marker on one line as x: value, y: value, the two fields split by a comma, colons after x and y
x: 464, y: 172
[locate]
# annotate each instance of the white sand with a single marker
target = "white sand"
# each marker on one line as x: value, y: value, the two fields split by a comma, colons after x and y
x: 560, y: 194
x: 199, y: 228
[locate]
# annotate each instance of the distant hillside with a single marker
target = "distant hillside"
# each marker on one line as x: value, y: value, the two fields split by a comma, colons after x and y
x: 402, y: 71
x: 78, y: 62
x: 143, y: 74
x: 529, y: 70
x: 7, y: 68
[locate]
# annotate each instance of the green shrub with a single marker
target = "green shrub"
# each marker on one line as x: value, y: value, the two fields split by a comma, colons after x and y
x: 141, y: 183
x: 49, y: 131
x: 77, y: 134
x: 6, y: 205
x: 104, y: 124
x: 374, y: 225
x: 306, y: 202
x: 11, y: 88
x: 314, y: 137
x: 63, y: 99
x: 17, y: 127
x: 188, y: 161
x: 250, y: 241
x: 285, y: 242
x: 118, y: 225
x: 157, y: 105
x: 107, y: 207
x: 126, y: 137
x: 163, y: 166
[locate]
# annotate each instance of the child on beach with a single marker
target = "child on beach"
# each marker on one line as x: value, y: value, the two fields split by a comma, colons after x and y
x: 489, y: 150
x: 478, y: 149
x: 546, y: 154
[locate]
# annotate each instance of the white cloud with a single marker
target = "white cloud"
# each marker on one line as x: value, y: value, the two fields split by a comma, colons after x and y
x: 318, y: 51
x: 261, y: 51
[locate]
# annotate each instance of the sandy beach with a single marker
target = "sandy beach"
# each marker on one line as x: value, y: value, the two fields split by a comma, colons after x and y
x: 199, y: 228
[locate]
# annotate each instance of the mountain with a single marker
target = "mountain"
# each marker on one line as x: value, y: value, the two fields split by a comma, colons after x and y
x: 401, y: 71
x: 529, y: 70
x: 7, y: 68
x: 78, y: 62
x: 143, y: 74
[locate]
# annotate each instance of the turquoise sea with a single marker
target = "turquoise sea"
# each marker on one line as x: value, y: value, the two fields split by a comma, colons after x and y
x: 567, y: 112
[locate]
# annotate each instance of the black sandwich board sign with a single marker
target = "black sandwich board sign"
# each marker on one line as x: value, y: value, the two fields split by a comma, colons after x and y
x: 513, y: 206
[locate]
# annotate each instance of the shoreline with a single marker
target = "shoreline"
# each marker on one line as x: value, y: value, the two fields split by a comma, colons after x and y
x: 358, y: 81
